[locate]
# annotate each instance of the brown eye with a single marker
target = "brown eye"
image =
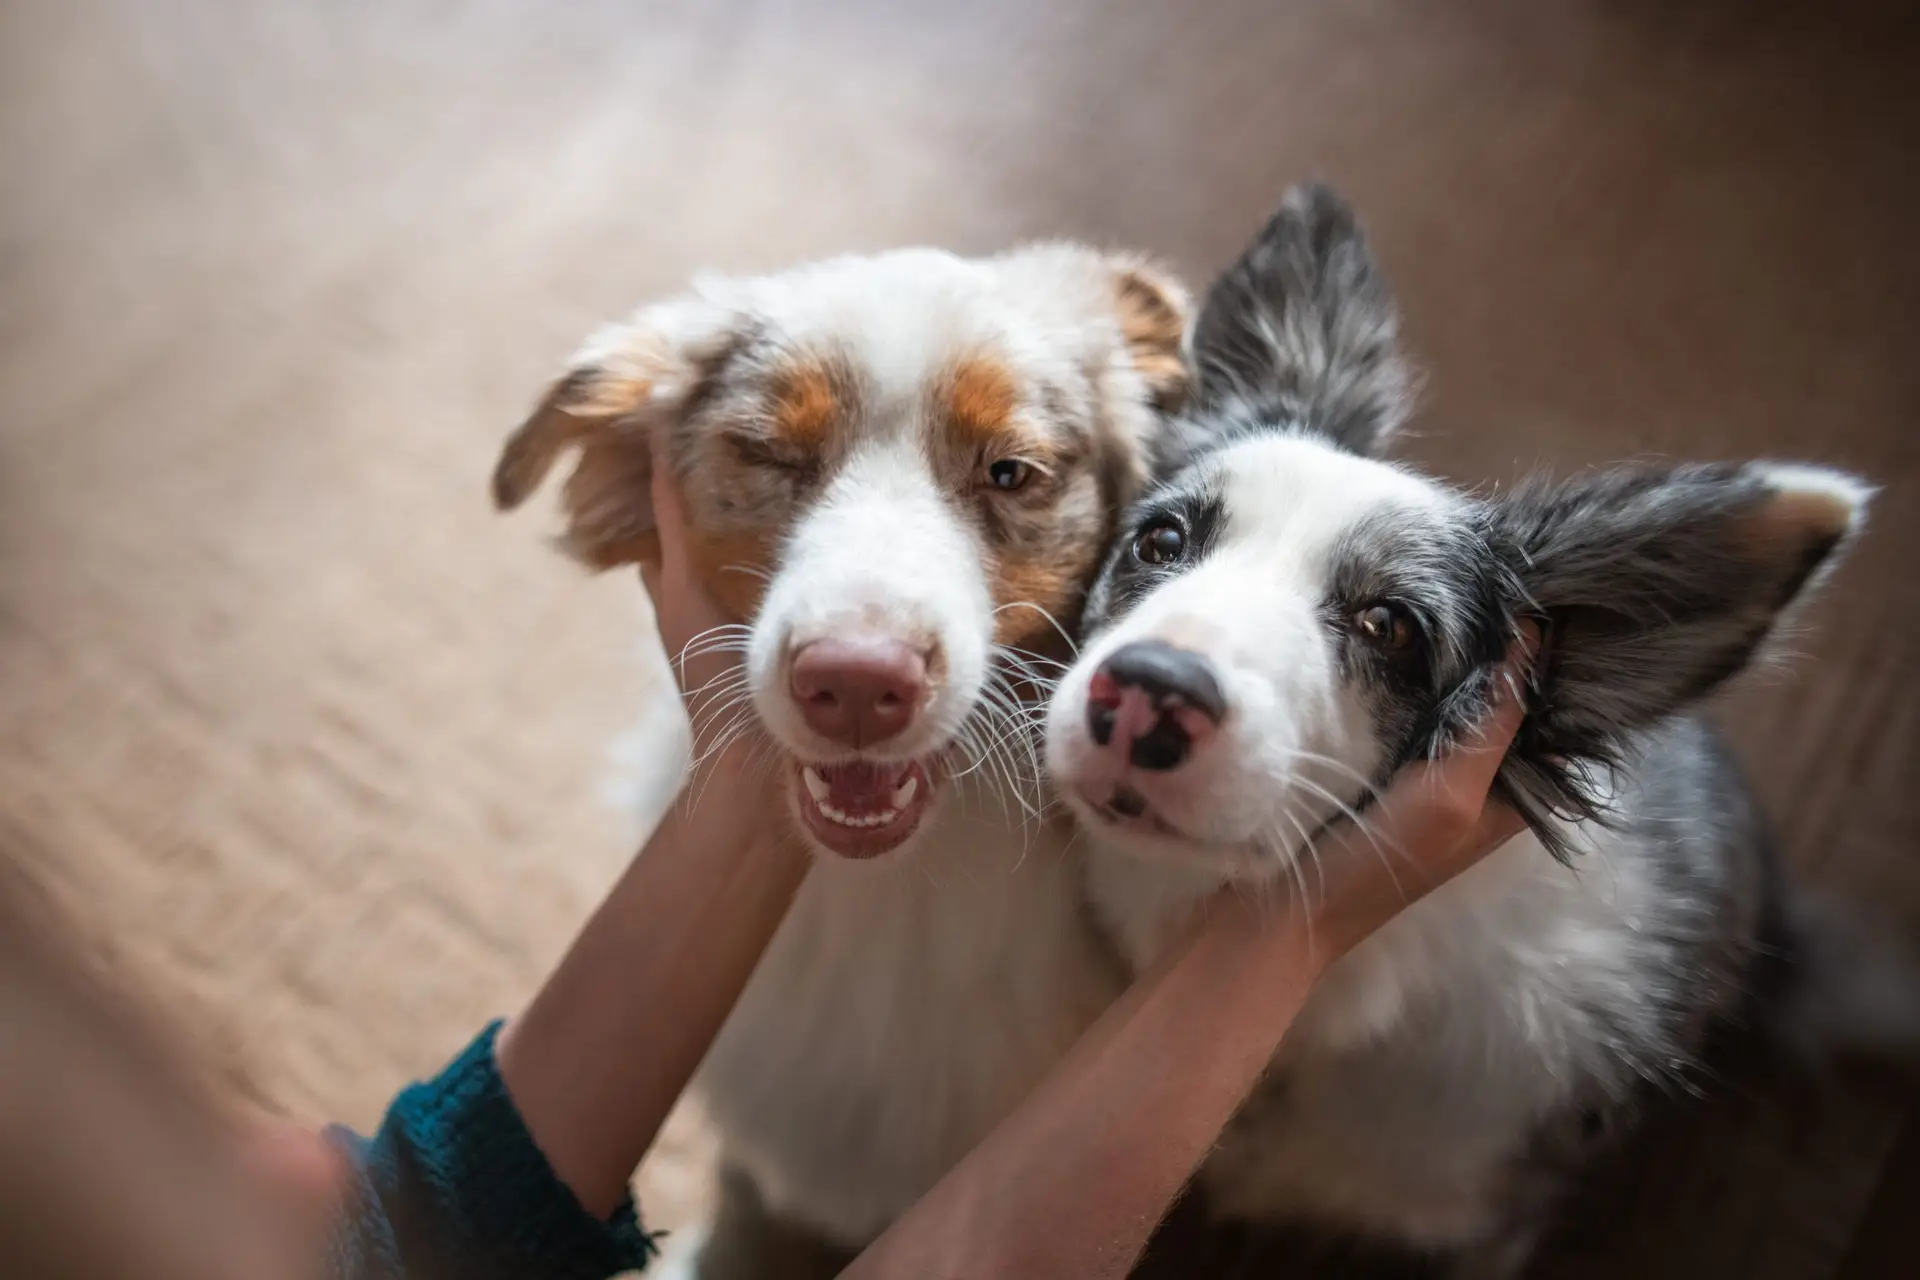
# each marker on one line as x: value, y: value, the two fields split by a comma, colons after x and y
x: 1160, y: 543
x: 1008, y: 474
x: 1385, y: 625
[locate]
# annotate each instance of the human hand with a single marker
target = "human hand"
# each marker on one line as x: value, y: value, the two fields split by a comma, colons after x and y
x: 683, y: 609
x: 703, y: 645
x: 602, y: 1053
x: 1077, y: 1177
x: 1434, y: 821
x: 607, y: 1045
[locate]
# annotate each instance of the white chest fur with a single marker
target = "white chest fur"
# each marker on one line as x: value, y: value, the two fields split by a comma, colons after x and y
x: 901, y: 1011
x: 1422, y: 1063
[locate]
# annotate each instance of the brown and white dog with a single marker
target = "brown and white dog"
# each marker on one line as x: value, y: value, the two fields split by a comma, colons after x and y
x: 901, y: 472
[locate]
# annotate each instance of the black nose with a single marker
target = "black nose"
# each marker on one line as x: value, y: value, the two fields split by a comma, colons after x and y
x: 1181, y: 690
x: 1166, y: 673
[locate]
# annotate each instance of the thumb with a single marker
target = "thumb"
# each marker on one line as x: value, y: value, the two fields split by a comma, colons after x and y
x: 668, y: 517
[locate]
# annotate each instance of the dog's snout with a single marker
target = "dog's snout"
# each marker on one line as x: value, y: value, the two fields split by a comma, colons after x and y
x: 1166, y: 673
x: 859, y: 690
x: 1154, y: 703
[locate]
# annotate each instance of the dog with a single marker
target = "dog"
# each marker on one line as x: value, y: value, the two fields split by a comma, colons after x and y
x: 1289, y: 619
x: 900, y: 472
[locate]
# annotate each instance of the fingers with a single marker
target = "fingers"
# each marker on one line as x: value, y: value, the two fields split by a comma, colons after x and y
x: 1467, y: 770
x: 1440, y: 807
x: 1433, y: 822
x: 667, y: 579
x: 1498, y: 824
x: 666, y: 507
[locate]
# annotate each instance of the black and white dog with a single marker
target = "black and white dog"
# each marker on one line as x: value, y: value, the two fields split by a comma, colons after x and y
x: 1291, y: 619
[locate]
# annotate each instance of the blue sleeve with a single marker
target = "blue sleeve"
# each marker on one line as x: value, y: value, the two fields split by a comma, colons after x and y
x: 452, y: 1187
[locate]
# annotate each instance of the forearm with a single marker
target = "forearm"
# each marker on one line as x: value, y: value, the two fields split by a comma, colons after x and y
x: 598, y: 1058
x: 1075, y: 1181
x: 453, y: 1187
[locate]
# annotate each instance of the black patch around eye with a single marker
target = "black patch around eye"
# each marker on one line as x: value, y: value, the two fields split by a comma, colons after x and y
x: 1418, y: 607
x: 1129, y: 575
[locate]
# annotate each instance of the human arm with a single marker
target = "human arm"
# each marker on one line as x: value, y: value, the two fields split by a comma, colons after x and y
x: 1077, y: 1178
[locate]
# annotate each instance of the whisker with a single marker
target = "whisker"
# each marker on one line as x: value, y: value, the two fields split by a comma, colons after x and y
x: 1028, y: 656
x: 729, y: 683
x: 1005, y: 728
x: 1314, y: 757
x: 1306, y: 904
x: 1051, y: 621
x: 1310, y: 850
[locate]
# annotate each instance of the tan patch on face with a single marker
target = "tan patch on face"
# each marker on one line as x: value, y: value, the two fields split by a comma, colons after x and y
x: 1051, y: 581
x: 981, y: 396
x: 805, y: 406
x: 1153, y: 321
x: 1036, y: 531
x: 732, y: 567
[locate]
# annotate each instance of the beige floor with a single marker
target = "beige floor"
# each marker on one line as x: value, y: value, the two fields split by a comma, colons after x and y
x: 316, y: 741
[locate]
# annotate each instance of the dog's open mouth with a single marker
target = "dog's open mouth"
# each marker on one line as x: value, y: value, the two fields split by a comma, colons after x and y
x: 862, y: 808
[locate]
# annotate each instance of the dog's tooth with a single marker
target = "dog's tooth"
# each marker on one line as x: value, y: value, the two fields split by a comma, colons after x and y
x: 816, y: 785
x: 904, y: 793
x: 845, y: 819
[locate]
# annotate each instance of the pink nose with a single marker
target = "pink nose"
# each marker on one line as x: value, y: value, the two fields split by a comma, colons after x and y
x: 859, y: 690
x: 1153, y: 705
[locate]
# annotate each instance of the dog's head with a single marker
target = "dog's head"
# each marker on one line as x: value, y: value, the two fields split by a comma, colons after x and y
x: 1289, y: 619
x: 897, y: 470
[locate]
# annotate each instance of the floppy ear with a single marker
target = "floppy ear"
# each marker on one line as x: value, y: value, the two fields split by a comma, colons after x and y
x: 1302, y: 332
x: 1153, y: 310
x: 629, y: 380
x: 1655, y: 586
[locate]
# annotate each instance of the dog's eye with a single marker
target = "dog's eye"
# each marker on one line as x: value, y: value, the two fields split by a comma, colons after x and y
x: 772, y: 455
x: 1161, y: 542
x: 1008, y: 474
x: 1386, y: 626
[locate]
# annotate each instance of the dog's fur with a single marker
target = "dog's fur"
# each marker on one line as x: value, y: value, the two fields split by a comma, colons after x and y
x: 1450, y: 1074
x: 832, y: 428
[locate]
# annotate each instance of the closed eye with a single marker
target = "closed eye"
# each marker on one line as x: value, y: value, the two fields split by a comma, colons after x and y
x: 759, y: 451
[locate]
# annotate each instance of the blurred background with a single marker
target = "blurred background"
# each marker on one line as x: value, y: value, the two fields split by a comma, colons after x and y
x: 315, y: 744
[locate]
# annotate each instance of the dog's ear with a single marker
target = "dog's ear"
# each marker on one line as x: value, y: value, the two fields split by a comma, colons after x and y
x: 1301, y: 332
x: 1654, y: 586
x: 627, y: 382
x: 1154, y: 308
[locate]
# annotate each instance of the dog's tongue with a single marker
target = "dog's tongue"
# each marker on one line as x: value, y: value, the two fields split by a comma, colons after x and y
x: 862, y: 786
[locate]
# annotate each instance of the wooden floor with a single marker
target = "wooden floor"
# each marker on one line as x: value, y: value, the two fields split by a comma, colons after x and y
x: 316, y: 742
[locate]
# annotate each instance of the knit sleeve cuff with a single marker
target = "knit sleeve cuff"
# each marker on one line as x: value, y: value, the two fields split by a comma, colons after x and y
x: 461, y: 1189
